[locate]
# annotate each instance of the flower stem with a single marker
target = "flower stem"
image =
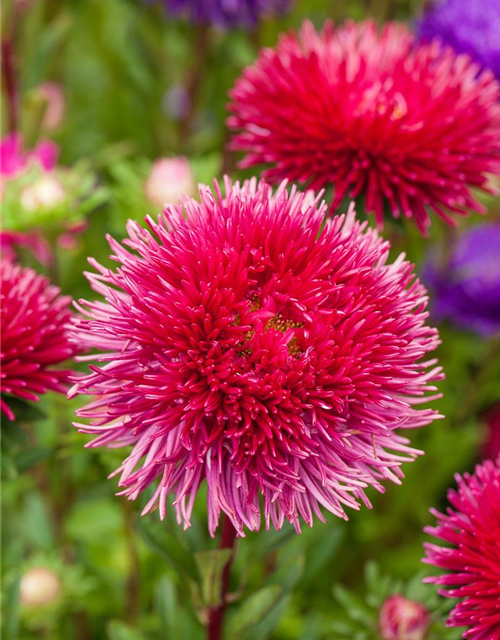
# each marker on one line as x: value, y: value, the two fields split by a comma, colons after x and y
x: 216, y: 614
x: 10, y: 83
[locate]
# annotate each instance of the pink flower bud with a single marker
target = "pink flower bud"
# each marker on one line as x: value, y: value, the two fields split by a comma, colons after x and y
x: 403, y: 619
x: 39, y: 587
x: 55, y: 104
x: 169, y: 179
x: 43, y: 193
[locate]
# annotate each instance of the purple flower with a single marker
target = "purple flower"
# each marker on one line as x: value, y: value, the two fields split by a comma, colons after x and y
x: 469, y: 26
x: 467, y: 290
x: 226, y: 13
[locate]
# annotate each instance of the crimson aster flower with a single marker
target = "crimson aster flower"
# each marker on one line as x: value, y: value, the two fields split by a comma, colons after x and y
x: 470, y: 529
x: 243, y: 344
x: 412, y: 127
x: 34, y: 322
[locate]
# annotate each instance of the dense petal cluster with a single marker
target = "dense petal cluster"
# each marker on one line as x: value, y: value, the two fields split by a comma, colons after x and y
x: 411, y: 127
x: 245, y: 343
x: 469, y: 26
x: 466, y: 288
x: 226, y: 13
x: 471, y: 531
x: 34, y: 323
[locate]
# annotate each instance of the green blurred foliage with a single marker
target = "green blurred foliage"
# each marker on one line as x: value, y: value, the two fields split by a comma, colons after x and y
x: 125, y: 577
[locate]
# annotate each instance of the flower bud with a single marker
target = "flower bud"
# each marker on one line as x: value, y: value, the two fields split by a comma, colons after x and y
x: 39, y: 587
x: 43, y: 193
x: 403, y: 619
x: 169, y: 179
x: 55, y: 105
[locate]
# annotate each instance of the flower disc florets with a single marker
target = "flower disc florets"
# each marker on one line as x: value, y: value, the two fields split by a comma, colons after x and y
x: 470, y: 529
x: 34, y: 324
x: 411, y: 127
x: 245, y: 343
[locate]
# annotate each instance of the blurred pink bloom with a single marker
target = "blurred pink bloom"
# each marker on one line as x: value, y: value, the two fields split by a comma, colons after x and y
x: 169, y: 179
x: 15, y: 160
x: 244, y: 342
x: 403, y: 619
x: 55, y: 109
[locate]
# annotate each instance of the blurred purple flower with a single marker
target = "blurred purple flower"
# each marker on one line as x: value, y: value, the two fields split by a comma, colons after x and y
x: 226, y: 13
x: 469, y: 26
x: 467, y: 291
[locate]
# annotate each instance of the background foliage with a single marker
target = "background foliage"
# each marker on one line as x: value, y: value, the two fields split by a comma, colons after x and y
x: 127, y: 578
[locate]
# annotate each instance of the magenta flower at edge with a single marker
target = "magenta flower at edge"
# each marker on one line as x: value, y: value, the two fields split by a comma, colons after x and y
x: 470, y: 531
x: 411, y: 127
x: 244, y: 345
x: 34, y: 322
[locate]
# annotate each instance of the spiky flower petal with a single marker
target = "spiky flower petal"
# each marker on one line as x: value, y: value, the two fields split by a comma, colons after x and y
x: 244, y: 344
x: 413, y: 128
x: 470, y: 529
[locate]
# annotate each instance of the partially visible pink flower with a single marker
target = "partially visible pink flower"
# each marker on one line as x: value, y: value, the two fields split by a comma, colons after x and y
x: 15, y: 160
x: 34, y: 323
x: 53, y: 95
x: 491, y: 448
x: 470, y: 554
x: 403, y: 619
x: 245, y: 343
x: 169, y: 179
x: 411, y: 127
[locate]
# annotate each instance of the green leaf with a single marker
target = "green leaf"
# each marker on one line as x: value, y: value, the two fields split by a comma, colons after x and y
x: 211, y: 564
x: 27, y: 459
x: 162, y: 542
x: 254, y: 610
x: 120, y: 631
x: 167, y: 607
x: 8, y: 469
x: 354, y: 605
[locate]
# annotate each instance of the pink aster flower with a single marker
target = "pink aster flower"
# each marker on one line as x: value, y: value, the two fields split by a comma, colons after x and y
x: 471, y: 531
x: 34, y: 322
x: 412, y: 127
x: 243, y: 344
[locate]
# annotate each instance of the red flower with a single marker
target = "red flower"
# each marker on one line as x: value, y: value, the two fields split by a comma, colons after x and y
x: 34, y: 322
x: 244, y: 343
x: 407, y: 125
x: 471, y: 531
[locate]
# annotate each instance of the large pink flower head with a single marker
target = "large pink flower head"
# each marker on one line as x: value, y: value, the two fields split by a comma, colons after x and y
x: 470, y: 530
x: 412, y: 127
x: 244, y: 344
x: 34, y: 323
